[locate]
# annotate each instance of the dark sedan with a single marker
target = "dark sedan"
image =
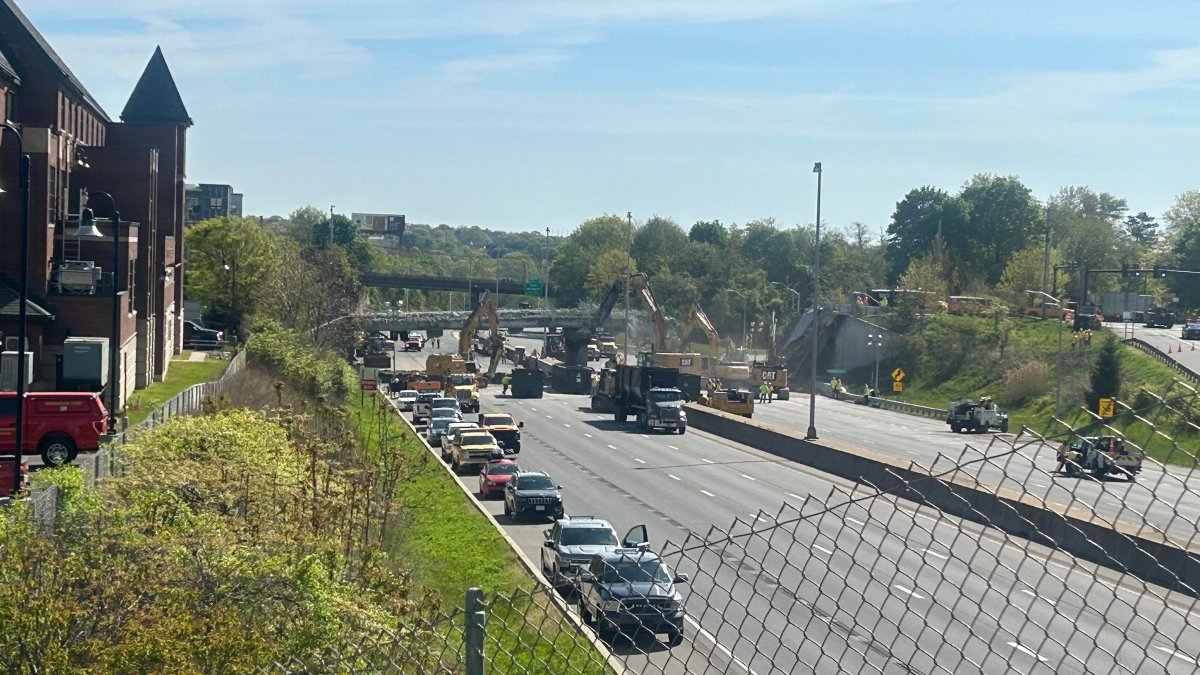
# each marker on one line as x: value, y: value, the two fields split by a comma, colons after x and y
x: 1191, y: 331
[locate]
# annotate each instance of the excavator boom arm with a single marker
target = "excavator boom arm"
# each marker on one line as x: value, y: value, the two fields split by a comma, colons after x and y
x: 714, y: 339
x: 486, y: 308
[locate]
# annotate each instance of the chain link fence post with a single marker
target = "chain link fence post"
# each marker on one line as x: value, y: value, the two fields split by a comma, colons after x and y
x: 475, y: 619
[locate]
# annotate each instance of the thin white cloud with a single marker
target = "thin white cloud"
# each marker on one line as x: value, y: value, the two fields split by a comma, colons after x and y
x: 470, y: 70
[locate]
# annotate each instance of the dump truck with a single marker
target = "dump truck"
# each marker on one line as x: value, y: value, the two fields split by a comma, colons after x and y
x: 655, y: 396
x: 526, y: 383
x: 1160, y: 317
x: 976, y: 416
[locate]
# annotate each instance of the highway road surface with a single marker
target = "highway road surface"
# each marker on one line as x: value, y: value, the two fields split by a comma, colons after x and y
x: 1186, y: 352
x: 868, y: 586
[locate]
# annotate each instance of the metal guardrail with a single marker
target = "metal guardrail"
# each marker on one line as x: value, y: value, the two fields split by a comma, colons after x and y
x: 1163, y: 357
x: 884, y: 403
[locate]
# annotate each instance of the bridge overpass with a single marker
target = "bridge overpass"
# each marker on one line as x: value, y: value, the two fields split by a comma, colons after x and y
x: 509, y: 318
x: 423, y: 283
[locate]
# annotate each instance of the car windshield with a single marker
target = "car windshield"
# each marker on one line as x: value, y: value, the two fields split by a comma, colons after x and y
x: 408, y: 393
x: 445, y: 403
x: 535, y: 483
x: 502, y: 469
x: 445, y: 412
x: 498, y: 420
x: 426, y: 398
x: 462, y: 379
x: 636, y: 571
x: 439, y: 423
x: 664, y: 396
x: 476, y: 439
x: 588, y: 536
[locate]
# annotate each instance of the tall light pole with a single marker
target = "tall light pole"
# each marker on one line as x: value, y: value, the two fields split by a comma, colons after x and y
x: 628, y: 279
x: 233, y: 324
x: 796, y: 294
x: 1055, y: 302
x: 86, y: 223
x: 875, y: 341
x: 546, y: 296
x: 745, y: 302
x: 811, y: 434
x: 23, y: 189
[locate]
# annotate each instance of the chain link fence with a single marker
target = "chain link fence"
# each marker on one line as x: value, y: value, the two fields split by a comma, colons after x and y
x: 1068, y: 551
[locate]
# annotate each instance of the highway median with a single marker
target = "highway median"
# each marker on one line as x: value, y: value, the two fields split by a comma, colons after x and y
x: 1138, y: 551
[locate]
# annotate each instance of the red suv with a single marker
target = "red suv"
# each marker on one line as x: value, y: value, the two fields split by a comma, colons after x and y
x: 58, y: 424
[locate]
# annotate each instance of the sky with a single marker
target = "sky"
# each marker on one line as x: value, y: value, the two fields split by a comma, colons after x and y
x: 527, y: 114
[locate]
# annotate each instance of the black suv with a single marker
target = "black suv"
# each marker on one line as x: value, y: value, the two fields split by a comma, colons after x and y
x: 629, y: 590
x: 197, y: 337
x: 572, y: 542
x: 532, y: 493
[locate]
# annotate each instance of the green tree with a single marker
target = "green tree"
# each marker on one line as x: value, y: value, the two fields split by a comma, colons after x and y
x: 915, y: 225
x: 1183, y: 232
x: 1024, y: 272
x: 658, y: 244
x: 571, y: 269
x: 927, y: 276
x: 219, y: 249
x: 1106, y: 372
x: 709, y: 232
x: 605, y: 270
x: 1002, y: 218
x: 288, y: 296
x: 1142, y: 230
x: 1086, y: 228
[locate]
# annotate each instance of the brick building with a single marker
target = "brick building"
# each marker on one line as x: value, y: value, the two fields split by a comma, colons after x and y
x: 77, y: 150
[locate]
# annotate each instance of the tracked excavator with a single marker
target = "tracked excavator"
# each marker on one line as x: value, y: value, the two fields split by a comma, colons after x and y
x: 772, y: 371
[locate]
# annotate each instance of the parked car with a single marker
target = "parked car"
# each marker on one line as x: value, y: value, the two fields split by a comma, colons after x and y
x: 629, y: 590
x: 533, y: 493
x: 407, y: 398
x: 494, y: 476
x: 58, y: 425
x: 571, y: 543
x: 197, y: 337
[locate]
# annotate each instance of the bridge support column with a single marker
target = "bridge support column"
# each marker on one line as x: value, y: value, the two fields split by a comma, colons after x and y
x: 575, y: 343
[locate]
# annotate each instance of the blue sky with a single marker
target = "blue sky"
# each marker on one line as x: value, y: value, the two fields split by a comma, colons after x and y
x: 528, y: 114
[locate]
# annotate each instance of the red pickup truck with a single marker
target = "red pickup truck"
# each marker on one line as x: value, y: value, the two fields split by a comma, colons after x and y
x: 58, y: 424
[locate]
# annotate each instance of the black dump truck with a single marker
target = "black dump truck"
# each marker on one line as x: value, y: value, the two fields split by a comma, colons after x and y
x: 526, y: 383
x: 655, y: 396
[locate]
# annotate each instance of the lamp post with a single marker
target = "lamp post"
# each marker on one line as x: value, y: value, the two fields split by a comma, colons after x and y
x: 628, y: 279
x: 86, y: 223
x: 23, y: 189
x: 1055, y: 302
x: 755, y: 327
x: 811, y: 434
x: 745, y: 302
x: 233, y: 323
x: 796, y: 294
x: 546, y: 297
x: 875, y: 341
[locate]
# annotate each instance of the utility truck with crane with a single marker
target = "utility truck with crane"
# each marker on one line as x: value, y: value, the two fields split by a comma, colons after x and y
x: 976, y: 416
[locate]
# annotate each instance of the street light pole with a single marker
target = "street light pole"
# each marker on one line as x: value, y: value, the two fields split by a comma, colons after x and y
x: 811, y: 434
x: 745, y: 302
x: 23, y: 188
x: 628, y: 280
x: 875, y: 341
x: 115, y: 348
x: 1056, y: 302
x: 796, y: 294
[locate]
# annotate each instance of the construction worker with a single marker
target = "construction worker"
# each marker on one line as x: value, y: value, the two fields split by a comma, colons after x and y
x: 764, y: 393
x: 504, y: 382
x: 866, y: 394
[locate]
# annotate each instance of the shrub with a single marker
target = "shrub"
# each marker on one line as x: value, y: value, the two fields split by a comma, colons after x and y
x: 317, y: 371
x: 1027, y: 381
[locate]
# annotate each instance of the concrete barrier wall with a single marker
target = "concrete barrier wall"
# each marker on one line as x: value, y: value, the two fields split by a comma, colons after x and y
x: 1083, y: 534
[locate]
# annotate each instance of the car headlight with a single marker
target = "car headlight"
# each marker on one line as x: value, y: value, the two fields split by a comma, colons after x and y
x: 610, y: 605
x: 682, y: 415
x: 558, y: 498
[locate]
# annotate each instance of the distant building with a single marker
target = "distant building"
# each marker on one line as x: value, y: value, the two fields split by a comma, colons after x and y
x: 209, y: 200
x: 385, y: 230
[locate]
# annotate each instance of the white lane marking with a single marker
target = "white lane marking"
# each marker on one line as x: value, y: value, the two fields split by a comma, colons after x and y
x: 936, y: 554
x: 758, y: 518
x: 1030, y: 593
x: 566, y: 425
x: 724, y: 650
x: 643, y: 435
x: 1174, y: 653
x: 708, y: 461
x: 533, y: 409
x: 909, y: 591
x: 748, y: 477
x: 1029, y: 652
x: 672, y: 447
x: 672, y: 476
x: 588, y: 435
x: 706, y: 492
x: 822, y: 549
x: 639, y: 461
x: 855, y: 521
x: 612, y: 447
x: 549, y: 417
x: 795, y: 496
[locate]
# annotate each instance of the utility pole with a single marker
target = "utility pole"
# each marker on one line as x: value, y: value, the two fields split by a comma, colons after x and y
x: 628, y: 279
x: 1046, y: 262
x: 331, y: 224
x: 816, y: 326
x: 875, y: 341
x: 546, y: 295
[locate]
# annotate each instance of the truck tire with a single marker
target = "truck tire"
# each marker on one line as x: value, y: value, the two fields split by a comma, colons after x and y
x: 621, y: 415
x: 682, y: 429
x: 56, y: 451
x: 955, y: 428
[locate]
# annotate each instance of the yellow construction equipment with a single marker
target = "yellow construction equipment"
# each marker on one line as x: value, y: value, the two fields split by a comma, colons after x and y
x: 728, y: 372
x: 486, y: 309
x: 733, y: 401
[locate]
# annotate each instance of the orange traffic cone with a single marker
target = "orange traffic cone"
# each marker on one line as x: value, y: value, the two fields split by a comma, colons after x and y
x: 1193, y: 346
x: 1168, y: 349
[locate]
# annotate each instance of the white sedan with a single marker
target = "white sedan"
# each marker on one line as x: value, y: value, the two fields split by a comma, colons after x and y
x: 407, y: 399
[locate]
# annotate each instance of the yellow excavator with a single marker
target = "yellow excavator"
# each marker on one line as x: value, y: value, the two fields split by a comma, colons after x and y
x: 771, y: 372
x: 486, y: 309
x: 723, y: 378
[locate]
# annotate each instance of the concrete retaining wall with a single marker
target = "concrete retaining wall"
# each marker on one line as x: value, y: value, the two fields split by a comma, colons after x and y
x: 1083, y: 534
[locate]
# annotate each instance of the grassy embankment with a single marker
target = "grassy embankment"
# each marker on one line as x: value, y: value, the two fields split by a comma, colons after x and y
x: 1013, y: 360
x: 180, y: 375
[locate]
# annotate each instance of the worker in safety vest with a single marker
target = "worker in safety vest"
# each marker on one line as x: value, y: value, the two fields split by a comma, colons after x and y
x: 764, y: 393
x: 504, y: 382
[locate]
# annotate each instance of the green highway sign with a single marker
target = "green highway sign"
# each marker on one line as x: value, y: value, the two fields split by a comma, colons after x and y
x: 836, y: 371
x: 534, y: 287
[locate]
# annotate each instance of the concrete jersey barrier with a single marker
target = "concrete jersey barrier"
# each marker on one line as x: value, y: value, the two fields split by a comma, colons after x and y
x: 1146, y: 555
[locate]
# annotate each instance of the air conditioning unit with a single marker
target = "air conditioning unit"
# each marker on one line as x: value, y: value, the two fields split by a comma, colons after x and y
x: 11, y: 344
x: 77, y: 277
x: 8, y: 370
x: 86, y: 362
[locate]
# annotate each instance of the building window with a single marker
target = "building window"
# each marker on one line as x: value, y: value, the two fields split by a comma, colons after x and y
x: 10, y: 106
x: 131, y: 283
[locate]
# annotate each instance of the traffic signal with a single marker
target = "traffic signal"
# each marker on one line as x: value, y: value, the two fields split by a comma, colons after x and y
x: 1124, y: 269
x: 1159, y: 274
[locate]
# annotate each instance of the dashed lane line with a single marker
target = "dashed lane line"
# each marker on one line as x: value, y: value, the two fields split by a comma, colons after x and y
x: 707, y: 493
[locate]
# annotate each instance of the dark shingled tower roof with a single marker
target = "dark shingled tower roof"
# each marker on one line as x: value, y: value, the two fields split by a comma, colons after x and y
x: 7, y: 68
x: 156, y: 99
x: 49, y: 53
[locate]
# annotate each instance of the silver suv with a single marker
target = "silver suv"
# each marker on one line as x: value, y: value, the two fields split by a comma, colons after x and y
x: 572, y: 542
